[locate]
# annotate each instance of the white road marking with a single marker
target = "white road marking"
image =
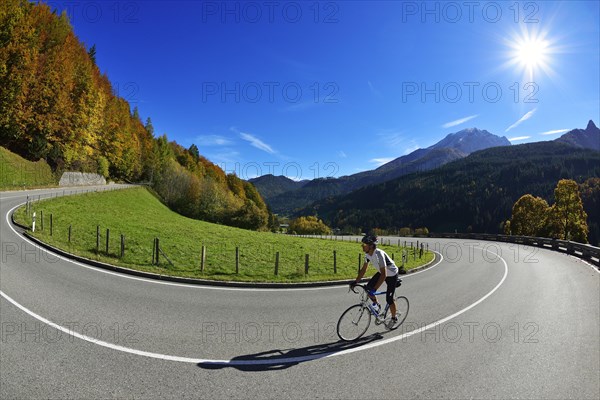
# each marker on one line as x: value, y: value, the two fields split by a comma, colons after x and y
x: 279, y: 361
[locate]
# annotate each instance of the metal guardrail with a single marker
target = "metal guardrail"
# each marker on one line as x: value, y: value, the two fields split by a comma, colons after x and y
x: 584, y: 251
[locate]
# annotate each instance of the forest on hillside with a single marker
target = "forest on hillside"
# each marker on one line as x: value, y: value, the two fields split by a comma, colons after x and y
x: 474, y: 194
x: 56, y: 105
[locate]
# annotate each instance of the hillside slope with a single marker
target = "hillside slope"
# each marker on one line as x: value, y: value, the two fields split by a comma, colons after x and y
x: 453, y: 147
x: 56, y: 105
x: 18, y: 173
x: 588, y: 138
x: 475, y: 193
x: 140, y: 217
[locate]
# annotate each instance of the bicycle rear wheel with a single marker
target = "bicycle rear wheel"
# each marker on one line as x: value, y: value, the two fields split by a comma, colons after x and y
x: 402, y: 307
x: 353, y: 323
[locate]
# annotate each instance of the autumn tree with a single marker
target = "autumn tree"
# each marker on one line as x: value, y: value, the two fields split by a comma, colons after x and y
x: 422, y: 231
x: 507, y: 228
x: 310, y: 225
x: 529, y: 216
x: 18, y: 59
x: 567, y: 218
x: 590, y: 196
x: 55, y: 104
x: 406, y: 231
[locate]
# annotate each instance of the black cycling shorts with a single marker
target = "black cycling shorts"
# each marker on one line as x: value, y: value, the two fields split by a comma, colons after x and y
x: 390, y: 282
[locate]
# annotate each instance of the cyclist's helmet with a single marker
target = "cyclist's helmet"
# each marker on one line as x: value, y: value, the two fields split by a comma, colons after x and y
x: 370, y: 239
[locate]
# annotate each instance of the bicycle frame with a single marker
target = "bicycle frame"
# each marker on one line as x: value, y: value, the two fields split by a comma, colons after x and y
x: 366, y: 302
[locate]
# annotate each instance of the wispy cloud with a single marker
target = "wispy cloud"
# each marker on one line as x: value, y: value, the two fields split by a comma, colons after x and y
x: 391, y: 137
x: 380, y: 161
x: 254, y: 141
x: 303, y: 105
x: 342, y: 154
x: 523, y: 118
x: 212, y: 140
x: 459, y: 121
x: 226, y: 159
x: 410, y: 149
x: 373, y: 90
x: 555, y: 132
x: 516, y: 139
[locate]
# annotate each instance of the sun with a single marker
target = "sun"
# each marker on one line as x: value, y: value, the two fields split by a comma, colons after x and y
x: 531, y: 52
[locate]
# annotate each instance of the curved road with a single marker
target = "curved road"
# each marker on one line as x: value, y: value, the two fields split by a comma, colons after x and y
x: 490, y: 320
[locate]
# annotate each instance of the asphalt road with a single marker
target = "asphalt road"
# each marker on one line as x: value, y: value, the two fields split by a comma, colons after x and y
x: 489, y: 320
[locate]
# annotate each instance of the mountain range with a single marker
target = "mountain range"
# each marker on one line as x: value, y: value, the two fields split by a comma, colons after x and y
x: 475, y: 193
x: 588, y: 138
x: 284, y: 196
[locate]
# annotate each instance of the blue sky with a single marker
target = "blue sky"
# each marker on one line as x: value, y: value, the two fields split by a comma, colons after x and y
x: 315, y: 89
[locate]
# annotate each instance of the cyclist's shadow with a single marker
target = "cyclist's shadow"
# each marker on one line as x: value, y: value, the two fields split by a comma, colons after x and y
x: 277, y: 359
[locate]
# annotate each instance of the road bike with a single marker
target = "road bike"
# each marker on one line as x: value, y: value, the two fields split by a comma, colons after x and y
x: 355, y: 321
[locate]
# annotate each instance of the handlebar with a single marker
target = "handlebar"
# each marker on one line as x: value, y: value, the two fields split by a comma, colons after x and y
x: 363, y: 287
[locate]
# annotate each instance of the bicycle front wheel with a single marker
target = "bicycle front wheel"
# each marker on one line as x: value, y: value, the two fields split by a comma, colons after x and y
x: 353, y: 323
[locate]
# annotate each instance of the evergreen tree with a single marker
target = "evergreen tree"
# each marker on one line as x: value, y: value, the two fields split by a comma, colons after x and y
x: 92, y: 53
x: 149, y: 127
x: 193, y: 150
x: 136, y: 114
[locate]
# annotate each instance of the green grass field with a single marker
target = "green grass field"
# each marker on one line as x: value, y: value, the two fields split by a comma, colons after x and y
x: 138, y: 215
x: 18, y: 173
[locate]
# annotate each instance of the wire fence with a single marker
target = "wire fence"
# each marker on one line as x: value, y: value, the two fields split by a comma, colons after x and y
x: 322, y: 257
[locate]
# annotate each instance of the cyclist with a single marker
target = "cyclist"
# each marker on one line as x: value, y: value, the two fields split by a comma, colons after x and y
x: 386, y: 271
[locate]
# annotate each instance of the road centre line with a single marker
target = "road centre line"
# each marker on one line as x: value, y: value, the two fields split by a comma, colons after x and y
x: 279, y: 361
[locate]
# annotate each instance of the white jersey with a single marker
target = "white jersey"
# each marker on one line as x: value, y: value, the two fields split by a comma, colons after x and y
x: 381, y: 260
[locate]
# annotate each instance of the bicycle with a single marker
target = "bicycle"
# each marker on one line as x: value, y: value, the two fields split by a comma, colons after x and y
x: 355, y: 321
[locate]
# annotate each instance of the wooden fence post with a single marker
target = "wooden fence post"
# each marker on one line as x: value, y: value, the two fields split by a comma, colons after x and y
x: 334, y: 262
x: 306, y: 264
x: 153, y: 250
x: 107, y: 238
x: 277, y: 263
x: 157, y: 250
x: 122, y: 245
